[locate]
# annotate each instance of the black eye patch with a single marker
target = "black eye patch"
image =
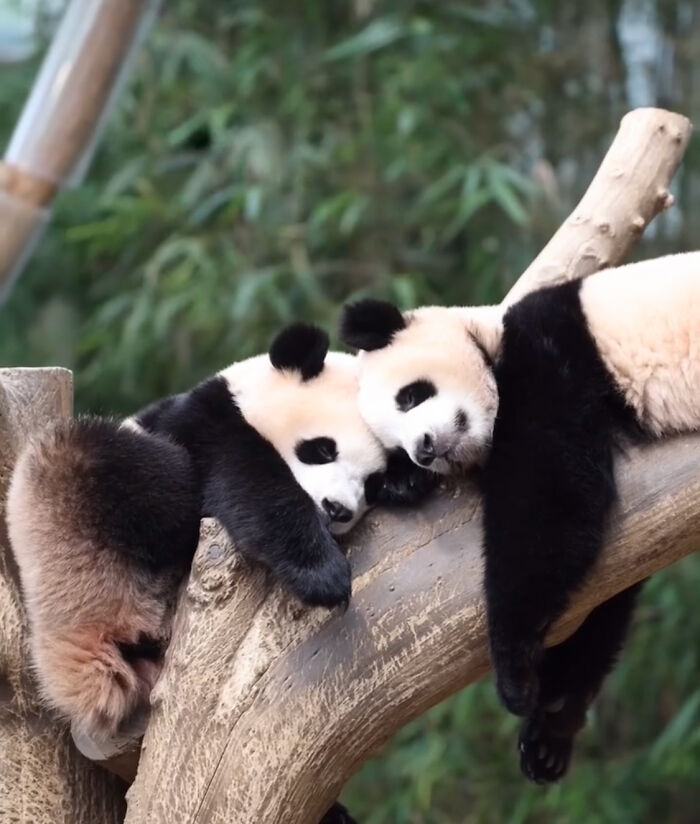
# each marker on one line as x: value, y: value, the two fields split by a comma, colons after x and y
x: 413, y: 394
x: 316, y: 451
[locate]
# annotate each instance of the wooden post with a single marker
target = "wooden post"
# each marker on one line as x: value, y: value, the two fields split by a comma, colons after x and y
x: 62, y: 119
x: 43, y: 779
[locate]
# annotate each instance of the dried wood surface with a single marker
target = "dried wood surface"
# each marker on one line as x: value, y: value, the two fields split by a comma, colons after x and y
x: 265, y: 709
x: 43, y: 779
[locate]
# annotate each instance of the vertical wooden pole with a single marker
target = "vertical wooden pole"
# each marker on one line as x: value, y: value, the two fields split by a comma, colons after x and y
x: 43, y: 778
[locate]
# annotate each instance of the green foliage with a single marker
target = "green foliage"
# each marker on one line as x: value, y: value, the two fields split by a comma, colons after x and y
x: 263, y: 165
x: 269, y: 160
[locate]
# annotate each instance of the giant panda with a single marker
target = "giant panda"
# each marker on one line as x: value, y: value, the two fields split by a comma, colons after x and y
x: 103, y: 515
x: 543, y: 395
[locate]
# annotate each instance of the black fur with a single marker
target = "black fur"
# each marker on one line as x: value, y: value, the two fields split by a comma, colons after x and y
x: 317, y: 451
x: 403, y: 483
x: 414, y: 394
x: 570, y: 676
x: 370, y: 324
x: 252, y: 491
x: 337, y: 815
x: 146, y: 647
x: 132, y: 492
x: 301, y: 348
x: 549, y: 487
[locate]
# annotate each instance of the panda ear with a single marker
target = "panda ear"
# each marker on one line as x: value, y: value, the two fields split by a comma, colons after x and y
x: 370, y: 324
x: 300, y: 347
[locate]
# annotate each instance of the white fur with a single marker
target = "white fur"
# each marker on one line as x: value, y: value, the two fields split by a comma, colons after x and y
x: 436, y: 345
x: 645, y: 319
x: 325, y: 406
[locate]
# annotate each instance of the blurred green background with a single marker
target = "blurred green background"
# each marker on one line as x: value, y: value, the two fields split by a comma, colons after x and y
x: 266, y: 161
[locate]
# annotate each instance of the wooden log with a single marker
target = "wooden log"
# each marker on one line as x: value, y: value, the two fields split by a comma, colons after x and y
x: 630, y: 188
x: 265, y: 709
x: 43, y: 779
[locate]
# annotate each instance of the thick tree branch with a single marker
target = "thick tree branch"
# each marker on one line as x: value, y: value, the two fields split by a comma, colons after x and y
x: 265, y: 708
x: 630, y: 188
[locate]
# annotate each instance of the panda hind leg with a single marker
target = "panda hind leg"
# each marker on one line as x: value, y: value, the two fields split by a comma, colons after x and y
x: 571, y: 675
x: 95, y: 680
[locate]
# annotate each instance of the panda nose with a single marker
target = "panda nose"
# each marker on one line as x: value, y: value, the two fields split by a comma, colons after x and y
x: 425, y: 450
x: 336, y: 511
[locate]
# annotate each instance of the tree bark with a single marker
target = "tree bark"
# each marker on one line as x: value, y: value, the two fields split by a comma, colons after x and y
x: 265, y: 709
x: 43, y: 779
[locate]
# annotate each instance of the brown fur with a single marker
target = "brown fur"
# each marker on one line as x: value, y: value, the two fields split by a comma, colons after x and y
x: 74, y: 587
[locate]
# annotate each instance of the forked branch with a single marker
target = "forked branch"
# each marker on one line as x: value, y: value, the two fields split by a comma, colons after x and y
x: 265, y: 709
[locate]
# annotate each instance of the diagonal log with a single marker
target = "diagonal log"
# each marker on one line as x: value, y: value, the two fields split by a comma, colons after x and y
x: 630, y: 188
x: 265, y: 708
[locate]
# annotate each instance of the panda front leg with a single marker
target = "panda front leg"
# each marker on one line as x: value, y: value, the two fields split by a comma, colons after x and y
x: 571, y: 675
x: 544, y: 520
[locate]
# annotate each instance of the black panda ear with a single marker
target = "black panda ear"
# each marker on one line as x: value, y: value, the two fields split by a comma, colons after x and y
x: 300, y: 347
x: 370, y: 324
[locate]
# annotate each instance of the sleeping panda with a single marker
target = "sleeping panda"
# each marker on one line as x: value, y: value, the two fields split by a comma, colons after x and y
x: 103, y: 516
x: 543, y: 395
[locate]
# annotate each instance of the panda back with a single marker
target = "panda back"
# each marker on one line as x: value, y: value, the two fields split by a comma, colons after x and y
x: 95, y: 482
x: 645, y: 320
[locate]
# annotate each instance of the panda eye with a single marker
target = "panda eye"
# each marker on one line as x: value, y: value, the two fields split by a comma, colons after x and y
x: 317, y: 451
x: 413, y: 394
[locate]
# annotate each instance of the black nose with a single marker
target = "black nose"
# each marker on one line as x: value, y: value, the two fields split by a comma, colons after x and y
x: 425, y: 451
x: 336, y: 511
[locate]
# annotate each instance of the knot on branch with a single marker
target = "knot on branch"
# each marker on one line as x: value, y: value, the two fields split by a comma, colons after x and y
x: 217, y: 566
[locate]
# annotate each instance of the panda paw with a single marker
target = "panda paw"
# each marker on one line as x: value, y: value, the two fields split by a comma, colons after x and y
x: 545, y: 753
x: 337, y: 815
x: 404, y: 483
x: 325, y: 584
x: 517, y: 685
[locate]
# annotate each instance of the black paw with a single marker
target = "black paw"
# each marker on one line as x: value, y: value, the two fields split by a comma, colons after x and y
x: 517, y: 685
x: 544, y: 753
x: 325, y: 584
x: 337, y: 815
x: 403, y: 483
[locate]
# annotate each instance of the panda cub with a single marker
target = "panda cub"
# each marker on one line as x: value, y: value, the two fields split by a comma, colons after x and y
x: 544, y: 396
x: 103, y: 516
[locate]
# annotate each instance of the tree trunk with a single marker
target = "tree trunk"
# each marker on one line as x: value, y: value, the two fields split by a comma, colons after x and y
x: 43, y: 778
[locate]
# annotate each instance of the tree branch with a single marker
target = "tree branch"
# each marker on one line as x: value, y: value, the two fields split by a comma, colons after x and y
x: 630, y: 188
x: 266, y: 708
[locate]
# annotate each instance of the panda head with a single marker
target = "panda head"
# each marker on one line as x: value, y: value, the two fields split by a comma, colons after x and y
x: 303, y: 400
x: 426, y: 379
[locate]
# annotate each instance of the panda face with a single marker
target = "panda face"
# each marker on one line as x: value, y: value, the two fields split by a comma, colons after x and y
x: 315, y: 424
x: 427, y: 386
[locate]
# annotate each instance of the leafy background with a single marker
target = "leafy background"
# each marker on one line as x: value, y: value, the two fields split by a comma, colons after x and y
x: 269, y: 160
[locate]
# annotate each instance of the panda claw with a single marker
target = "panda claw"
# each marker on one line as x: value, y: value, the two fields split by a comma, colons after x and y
x: 544, y: 753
